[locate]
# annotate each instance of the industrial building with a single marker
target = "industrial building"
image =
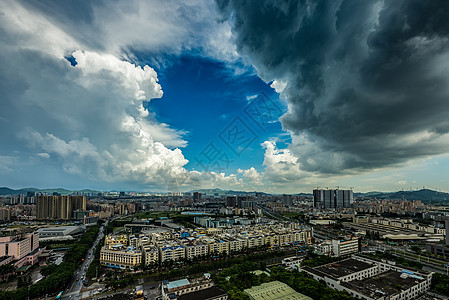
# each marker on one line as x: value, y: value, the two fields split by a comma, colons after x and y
x: 368, y: 278
x: 274, y: 290
x: 60, y: 231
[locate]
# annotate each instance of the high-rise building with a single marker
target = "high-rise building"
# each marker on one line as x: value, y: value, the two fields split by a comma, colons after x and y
x: 328, y: 199
x: 197, y: 196
x: 59, y: 207
x: 446, y: 222
x: 230, y: 201
x: 287, y: 200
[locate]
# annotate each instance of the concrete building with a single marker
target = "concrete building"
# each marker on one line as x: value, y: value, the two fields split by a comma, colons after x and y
x: 212, y: 293
x: 59, y: 207
x: 60, y: 231
x: 195, y: 249
x: 446, y: 226
x: 121, y: 257
x: 345, y: 246
x: 438, y: 249
x: 274, y: 290
x: 173, y: 252
x: 182, y: 289
x: 197, y: 197
x: 331, y: 199
x: 293, y: 262
x: 366, y: 278
x: 337, y: 248
x: 19, y: 246
x: 112, y: 240
x: 151, y: 254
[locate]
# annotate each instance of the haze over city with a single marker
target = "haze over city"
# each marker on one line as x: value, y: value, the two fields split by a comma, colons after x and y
x: 179, y: 95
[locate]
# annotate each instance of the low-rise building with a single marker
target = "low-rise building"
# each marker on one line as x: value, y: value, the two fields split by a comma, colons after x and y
x: 367, y: 278
x: 119, y: 256
x: 293, y: 262
x: 274, y: 290
x: 19, y: 246
x: 337, y: 248
x: 151, y: 254
x: 195, y: 249
x: 174, y: 290
x: 172, y: 252
x: 60, y: 231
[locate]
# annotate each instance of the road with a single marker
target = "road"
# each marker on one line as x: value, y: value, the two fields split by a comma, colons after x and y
x: 403, y: 251
x: 73, y: 292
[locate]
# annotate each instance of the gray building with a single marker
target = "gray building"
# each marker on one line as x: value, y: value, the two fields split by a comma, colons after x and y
x: 331, y: 199
x: 446, y: 222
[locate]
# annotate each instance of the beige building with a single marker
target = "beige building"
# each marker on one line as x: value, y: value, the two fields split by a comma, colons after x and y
x: 195, y: 249
x: 121, y: 257
x: 151, y: 254
x: 218, y: 246
x: 113, y: 240
x: 173, y: 252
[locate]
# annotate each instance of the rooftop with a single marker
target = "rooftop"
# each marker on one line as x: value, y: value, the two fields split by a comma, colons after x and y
x: 274, y: 290
x: 385, y: 284
x: 204, y: 294
x: 343, y: 267
x: 178, y: 283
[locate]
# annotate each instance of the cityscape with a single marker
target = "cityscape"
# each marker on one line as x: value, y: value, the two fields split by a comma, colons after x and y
x: 214, y: 150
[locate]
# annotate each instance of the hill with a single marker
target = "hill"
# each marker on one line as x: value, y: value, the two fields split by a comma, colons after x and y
x: 7, y: 191
x: 425, y: 195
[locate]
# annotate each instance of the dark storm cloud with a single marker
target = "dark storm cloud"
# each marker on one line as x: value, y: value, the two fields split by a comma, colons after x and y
x: 368, y: 81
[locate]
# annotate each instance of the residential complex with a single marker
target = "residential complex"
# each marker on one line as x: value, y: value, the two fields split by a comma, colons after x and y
x: 330, y: 199
x: 59, y: 207
x: 162, y: 246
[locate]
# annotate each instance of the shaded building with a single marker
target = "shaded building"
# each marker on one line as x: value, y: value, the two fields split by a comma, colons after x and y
x: 59, y: 207
x: 330, y: 199
x: 197, y: 196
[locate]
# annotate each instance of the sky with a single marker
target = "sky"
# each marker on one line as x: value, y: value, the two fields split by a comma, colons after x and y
x: 272, y: 96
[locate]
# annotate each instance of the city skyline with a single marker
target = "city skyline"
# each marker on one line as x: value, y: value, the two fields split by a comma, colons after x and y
x: 177, y: 96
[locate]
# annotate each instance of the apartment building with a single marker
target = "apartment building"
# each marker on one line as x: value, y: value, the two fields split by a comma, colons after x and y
x: 59, y: 207
x: 114, y: 240
x: 195, y: 249
x: 150, y: 253
x: 173, y: 252
x: 119, y: 256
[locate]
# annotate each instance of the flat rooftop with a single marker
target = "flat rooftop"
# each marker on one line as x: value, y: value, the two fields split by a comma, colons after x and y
x: 343, y: 267
x: 209, y: 293
x: 177, y: 284
x: 385, y: 284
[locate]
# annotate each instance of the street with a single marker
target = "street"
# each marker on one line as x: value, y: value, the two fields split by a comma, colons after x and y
x: 74, y: 291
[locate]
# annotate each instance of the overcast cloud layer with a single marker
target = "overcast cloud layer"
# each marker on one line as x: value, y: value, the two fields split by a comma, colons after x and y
x: 367, y: 82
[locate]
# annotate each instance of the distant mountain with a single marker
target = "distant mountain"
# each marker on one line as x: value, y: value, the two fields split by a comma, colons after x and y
x: 424, y: 195
x: 7, y: 191
x: 221, y: 192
